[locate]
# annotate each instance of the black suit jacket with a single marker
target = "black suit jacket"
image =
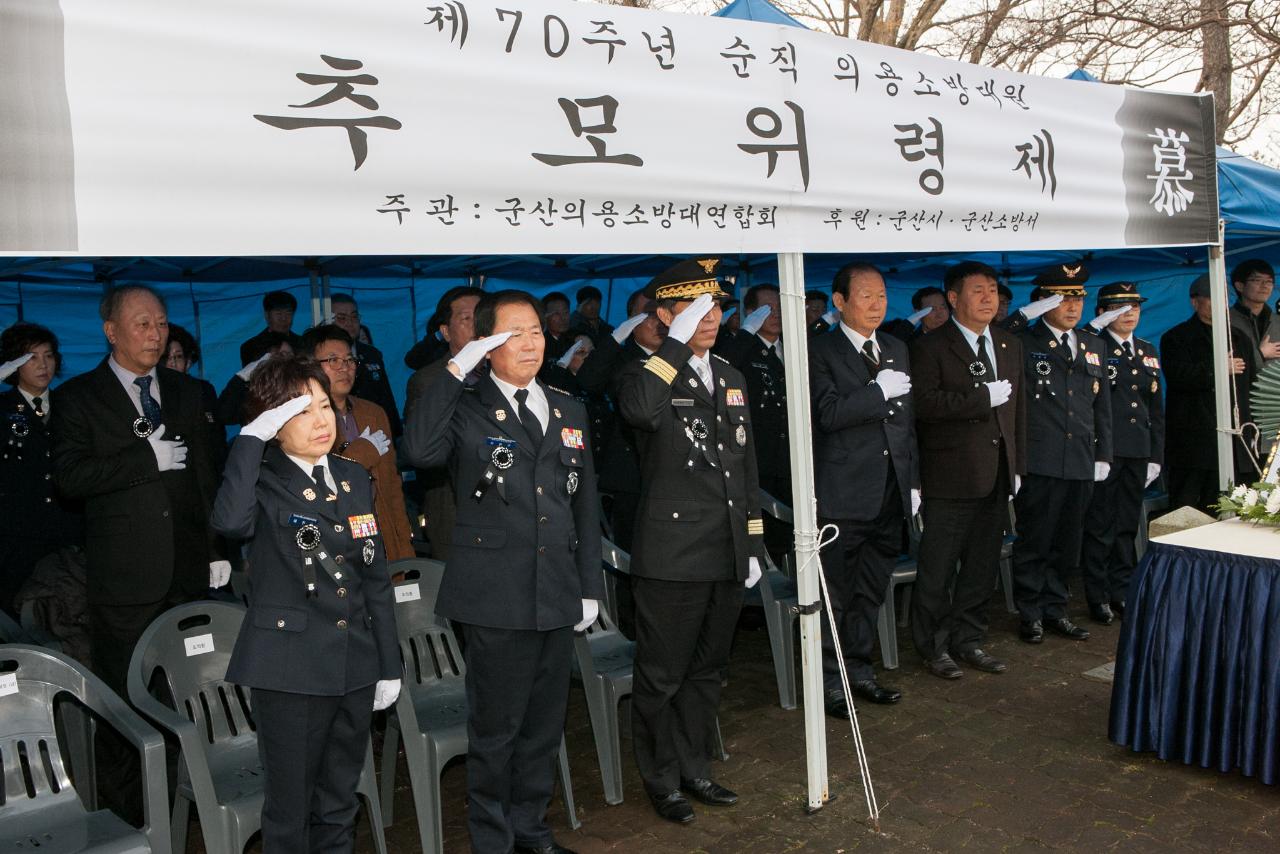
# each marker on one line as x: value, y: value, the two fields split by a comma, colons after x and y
x: 1137, y: 400
x: 1191, y: 441
x: 147, y: 531
x: 856, y: 431
x: 526, y: 560
x: 28, y: 499
x: 959, y: 432
x: 767, y: 394
x: 619, y: 461
x: 1069, y: 409
x: 372, y: 384
x: 696, y: 522
x: 342, y: 638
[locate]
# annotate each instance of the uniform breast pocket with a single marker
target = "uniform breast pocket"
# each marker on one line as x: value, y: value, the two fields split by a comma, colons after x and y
x: 475, y: 537
x: 674, y: 510
x: 573, y: 461
x: 279, y: 618
x: 737, y: 429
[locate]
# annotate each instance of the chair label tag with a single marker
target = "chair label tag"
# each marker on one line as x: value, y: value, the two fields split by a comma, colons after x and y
x: 199, y: 645
x: 408, y: 593
x: 8, y: 684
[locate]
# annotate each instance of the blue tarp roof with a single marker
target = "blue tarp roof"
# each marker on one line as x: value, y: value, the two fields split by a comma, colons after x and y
x: 758, y: 10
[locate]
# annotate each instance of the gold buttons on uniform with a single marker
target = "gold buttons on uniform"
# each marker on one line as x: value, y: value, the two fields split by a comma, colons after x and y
x: 279, y: 624
x: 342, y: 624
x: 339, y: 559
x: 342, y: 592
x: 675, y: 515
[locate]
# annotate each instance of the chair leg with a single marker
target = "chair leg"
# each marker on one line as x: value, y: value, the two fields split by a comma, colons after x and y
x: 603, y: 711
x: 789, y: 656
x: 888, y: 632
x: 390, y: 758
x: 1006, y: 581
x: 178, y: 824
x: 720, y: 752
x: 566, y: 787
x: 783, y: 665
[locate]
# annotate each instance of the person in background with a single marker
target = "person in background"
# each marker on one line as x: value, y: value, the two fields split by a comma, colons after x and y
x: 182, y: 352
x: 231, y: 401
x: 1254, y: 281
x: 730, y: 317
x: 317, y: 649
x: 363, y: 435
x: 1006, y: 298
x: 372, y: 382
x: 586, y: 320
x: 278, y: 308
x: 555, y: 308
x: 930, y: 310
x: 41, y: 521
x: 815, y: 312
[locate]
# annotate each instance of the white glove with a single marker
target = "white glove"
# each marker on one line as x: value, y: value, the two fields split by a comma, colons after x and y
x: 915, y: 317
x: 893, y: 383
x: 268, y: 424
x: 1103, y: 320
x: 378, y: 439
x: 219, y: 573
x: 916, y: 501
x: 1153, y: 472
x: 1041, y: 306
x: 474, y: 351
x: 753, y: 321
x: 1100, y: 471
x: 7, y: 369
x: 385, y: 693
x: 831, y: 317
x: 247, y: 371
x: 626, y: 327
x: 1000, y: 391
x: 724, y: 318
x: 753, y: 571
x: 590, y: 610
x: 564, y: 360
x: 684, y: 324
x: 170, y: 455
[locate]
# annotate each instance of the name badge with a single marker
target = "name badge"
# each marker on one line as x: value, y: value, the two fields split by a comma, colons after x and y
x: 8, y: 684
x: 199, y: 645
x: 298, y: 521
x: 682, y: 401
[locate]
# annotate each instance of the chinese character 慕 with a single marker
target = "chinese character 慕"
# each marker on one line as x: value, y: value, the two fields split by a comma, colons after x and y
x: 1170, y: 196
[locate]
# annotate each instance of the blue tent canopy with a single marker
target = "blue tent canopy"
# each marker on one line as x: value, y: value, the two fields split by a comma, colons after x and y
x: 758, y: 10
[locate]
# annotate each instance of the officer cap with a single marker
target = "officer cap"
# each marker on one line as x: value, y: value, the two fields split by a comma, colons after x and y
x: 1200, y: 287
x: 1065, y: 279
x: 687, y: 280
x: 1119, y: 293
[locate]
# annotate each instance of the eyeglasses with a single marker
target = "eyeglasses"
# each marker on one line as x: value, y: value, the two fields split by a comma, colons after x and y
x: 344, y: 316
x: 340, y: 363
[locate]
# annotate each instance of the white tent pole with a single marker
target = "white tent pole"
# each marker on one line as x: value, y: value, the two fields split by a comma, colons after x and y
x: 1223, y: 379
x: 326, y: 304
x: 805, y: 512
x: 315, y: 296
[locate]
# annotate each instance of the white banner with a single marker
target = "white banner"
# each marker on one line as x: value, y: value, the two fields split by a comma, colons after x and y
x: 327, y: 127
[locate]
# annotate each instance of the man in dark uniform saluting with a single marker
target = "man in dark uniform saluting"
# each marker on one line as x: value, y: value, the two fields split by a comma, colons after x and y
x: 1069, y: 448
x: 1137, y: 418
x: 524, y: 568
x: 698, y: 536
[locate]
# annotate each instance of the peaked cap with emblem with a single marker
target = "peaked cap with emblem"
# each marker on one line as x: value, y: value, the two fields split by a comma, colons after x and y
x: 687, y: 280
x: 1065, y: 279
x: 1117, y: 294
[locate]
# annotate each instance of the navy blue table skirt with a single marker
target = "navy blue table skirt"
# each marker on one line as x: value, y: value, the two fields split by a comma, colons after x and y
x: 1198, y: 670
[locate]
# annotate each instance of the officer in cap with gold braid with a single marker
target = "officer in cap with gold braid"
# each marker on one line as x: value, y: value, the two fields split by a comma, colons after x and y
x: 1068, y: 449
x: 699, y: 536
x: 1137, y: 417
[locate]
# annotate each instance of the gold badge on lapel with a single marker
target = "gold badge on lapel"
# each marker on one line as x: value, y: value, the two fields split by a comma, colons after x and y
x: 346, y: 486
x: 1095, y: 386
x: 1155, y: 386
x: 557, y: 412
x: 501, y: 415
x: 309, y: 494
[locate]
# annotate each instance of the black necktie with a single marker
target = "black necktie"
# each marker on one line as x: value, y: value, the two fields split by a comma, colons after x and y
x: 869, y: 356
x: 985, y: 358
x: 37, y: 404
x: 150, y: 409
x: 1128, y: 351
x: 1066, y: 342
x: 528, y: 420
x: 317, y: 474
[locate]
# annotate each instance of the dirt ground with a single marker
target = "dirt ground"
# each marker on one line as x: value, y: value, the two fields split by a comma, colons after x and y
x: 1014, y: 762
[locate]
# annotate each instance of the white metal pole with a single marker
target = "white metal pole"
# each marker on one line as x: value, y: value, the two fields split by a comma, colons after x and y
x: 1223, y: 379
x: 315, y: 297
x: 326, y: 305
x: 805, y: 511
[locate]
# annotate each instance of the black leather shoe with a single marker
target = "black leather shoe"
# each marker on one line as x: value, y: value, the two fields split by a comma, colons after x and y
x: 873, y: 691
x: 944, y: 667
x: 673, y: 806
x: 1117, y: 608
x: 709, y: 792
x: 1101, y: 613
x: 1066, y: 628
x: 836, y: 705
x: 552, y: 848
x: 1032, y: 632
x: 979, y: 660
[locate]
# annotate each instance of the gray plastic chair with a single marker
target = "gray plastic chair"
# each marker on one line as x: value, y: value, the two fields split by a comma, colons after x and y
x: 431, y: 711
x: 777, y: 592
x: 220, y: 770
x: 42, y: 809
x: 904, y: 572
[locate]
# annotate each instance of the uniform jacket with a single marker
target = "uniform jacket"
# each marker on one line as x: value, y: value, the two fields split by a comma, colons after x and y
x: 698, y: 522
x: 857, y: 433
x: 388, y: 489
x: 619, y: 461
x: 373, y: 384
x: 958, y: 430
x: 1068, y: 405
x: 1137, y: 400
x: 1186, y: 352
x: 767, y: 393
x: 342, y: 638
x: 27, y: 495
x: 257, y: 345
x: 142, y: 526
x: 528, y: 560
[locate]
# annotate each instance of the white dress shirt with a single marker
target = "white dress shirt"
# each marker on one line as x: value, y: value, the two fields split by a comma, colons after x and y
x: 972, y: 337
x: 858, y: 341
x: 323, y: 462
x: 537, y: 400
x: 127, y: 377
x: 1057, y: 336
x: 776, y: 345
x: 44, y: 400
x: 702, y: 367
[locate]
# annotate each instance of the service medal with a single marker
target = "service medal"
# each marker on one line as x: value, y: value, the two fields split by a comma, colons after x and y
x: 142, y: 427
x: 503, y: 457
x: 572, y: 484
x: 700, y: 430
x: 1112, y: 372
x: 1043, y: 368
x: 557, y: 412
x: 308, y: 537
x: 977, y: 368
x: 368, y: 552
x: 346, y: 486
x: 741, y: 436
x: 1096, y: 387
x: 501, y: 415
x: 19, y: 426
x: 309, y: 494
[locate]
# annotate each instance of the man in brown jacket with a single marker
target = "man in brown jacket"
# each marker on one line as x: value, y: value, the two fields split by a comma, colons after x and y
x: 363, y: 435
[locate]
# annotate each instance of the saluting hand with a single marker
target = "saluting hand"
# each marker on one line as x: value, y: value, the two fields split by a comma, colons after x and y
x: 686, y: 322
x: 832, y: 316
x: 915, y: 317
x: 1041, y: 306
x: 753, y: 321
x: 626, y: 327
x: 7, y: 369
x: 170, y: 454
x: 247, y: 371
x: 728, y: 313
x: 474, y: 352
x: 1104, y: 320
x: 564, y: 360
x: 268, y: 424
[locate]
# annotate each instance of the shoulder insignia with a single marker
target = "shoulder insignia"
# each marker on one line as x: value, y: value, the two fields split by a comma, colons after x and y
x: 560, y: 390
x: 348, y: 459
x: 721, y: 358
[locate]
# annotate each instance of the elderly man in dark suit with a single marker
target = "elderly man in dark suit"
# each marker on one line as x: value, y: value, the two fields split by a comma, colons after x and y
x: 524, y: 571
x: 132, y: 440
x: 865, y: 468
x: 971, y: 424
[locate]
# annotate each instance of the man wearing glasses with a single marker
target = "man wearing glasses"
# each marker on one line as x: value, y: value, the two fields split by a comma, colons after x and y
x: 371, y: 381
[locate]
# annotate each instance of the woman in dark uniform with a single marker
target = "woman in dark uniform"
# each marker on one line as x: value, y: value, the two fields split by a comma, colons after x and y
x: 37, y: 523
x: 318, y: 646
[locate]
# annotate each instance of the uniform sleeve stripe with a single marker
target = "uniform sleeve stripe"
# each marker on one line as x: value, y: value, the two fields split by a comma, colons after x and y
x: 661, y: 368
x: 755, y: 526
